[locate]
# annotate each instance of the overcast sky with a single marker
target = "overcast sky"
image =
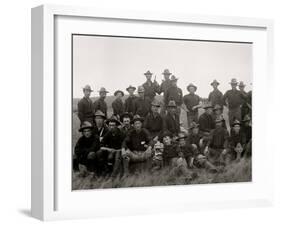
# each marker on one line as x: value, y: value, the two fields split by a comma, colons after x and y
x: 115, y: 63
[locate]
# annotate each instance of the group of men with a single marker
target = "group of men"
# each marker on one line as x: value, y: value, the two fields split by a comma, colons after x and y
x: 143, y: 130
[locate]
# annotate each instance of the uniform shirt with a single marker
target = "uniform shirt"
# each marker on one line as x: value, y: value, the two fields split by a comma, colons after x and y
x: 173, y: 93
x: 118, y: 107
x: 216, y: 97
x: 154, y: 124
x: 194, y: 139
x: 100, y: 132
x: 191, y: 100
x: 186, y: 151
x: 170, y: 151
x: 125, y: 130
x: 84, y: 146
x: 218, y: 138
x: 165, y: 85
x: 113, y: 139
x: 236, y: 138
x: 247, y: 130
x: 150, y: 89
x: 172, y: 123
x: 137, y: 141
x: 234, y: 98
x: 85, y: 110
x: 100, y: 104
x: 206, y: 122
x: 142, y: 106
x: 130, y: 104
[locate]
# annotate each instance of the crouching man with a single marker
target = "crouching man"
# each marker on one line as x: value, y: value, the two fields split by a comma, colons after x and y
x: 86, y: 148
x: 137, y: 146
x: 109, y: 155
x: 198, y: 145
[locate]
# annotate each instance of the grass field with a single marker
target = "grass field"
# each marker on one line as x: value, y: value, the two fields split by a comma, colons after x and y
x: 236, y: 172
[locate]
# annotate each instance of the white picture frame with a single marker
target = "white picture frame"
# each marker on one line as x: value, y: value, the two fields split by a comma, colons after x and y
x: 53, y: 199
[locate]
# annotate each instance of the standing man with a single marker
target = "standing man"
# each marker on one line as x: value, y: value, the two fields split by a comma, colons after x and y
x: 244, y: 107
x: 192, y: 103
x: 233, y: 99
x: 150, y: 88
x: 216, y: 96
x: 172, y: 120
x: 100, y: 129
x: 142, y: 103
x: 100, y: 104
x: 117, y: 104
x: 130, y: 101
x: 206, y: 121
x: 85, y: 106
x: 165, y: 85
x: 174, y: 93
x: 153, y: 121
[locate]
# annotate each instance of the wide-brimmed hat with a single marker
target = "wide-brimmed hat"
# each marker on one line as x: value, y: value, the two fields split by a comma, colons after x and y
x: 217, y: 107
x: 137, y: 118
x: 236, y: 122
x: 118, y: 91
x: 141, y: 89
x: 207, y: 105
x: 181, y: 136
x: 103, y: 90
x: 155, y: 103
x: 88, y: 87
x: 172, y: 104
x: 247, y: 118
x: 85, y: 125
x: 233, y: 81
x: 215, y: 82
x: 191, y: 85
x: 131, y: 87
x: 193, y: 125
x: 166, y: 72
x: 126, y: 115
x: 113, y: 119
x: 99, y: 113
x: 148, y: 73
x: 173, y: 78
x: 241, y: 84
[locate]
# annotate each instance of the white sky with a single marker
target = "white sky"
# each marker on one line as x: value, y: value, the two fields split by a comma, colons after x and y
x: 115, y: 63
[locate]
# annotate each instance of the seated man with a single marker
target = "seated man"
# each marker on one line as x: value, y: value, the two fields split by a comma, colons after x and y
x: 237, y: 142
x: 137, y: 146
x: 170, y: 147
x: 216, y: 149
x: 85, y: 149
x: 197, y: 145
x: 153, y: 121
x: 247, y: 130
x: 110, y: 151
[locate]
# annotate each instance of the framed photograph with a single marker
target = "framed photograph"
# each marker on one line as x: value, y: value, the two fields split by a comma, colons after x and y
x: 137, y: 112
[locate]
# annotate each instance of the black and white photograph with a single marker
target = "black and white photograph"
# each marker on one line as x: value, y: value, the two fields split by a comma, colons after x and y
x: 152, y: 111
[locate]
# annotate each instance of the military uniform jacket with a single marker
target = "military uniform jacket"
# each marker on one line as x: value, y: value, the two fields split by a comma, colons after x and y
x: 236, y: 138
x: 218, y: 138
x: 206, y: 122
x: 154, y: 124
x: 130, y: 104
x: 150, y: 89
x: 191, y: 100
x: 137, y: 141
x: 100, y: 132
x: 101, y: 105
x: 113, y: 139
x: 118, y: 107
x: 234, y: 98
x: 165, y: 85
x: 85, y: 110
x: 173, y: 93
x: 84, y: 146
x: 172, y: 123
x: 142, y: 106
x: 216, y: 97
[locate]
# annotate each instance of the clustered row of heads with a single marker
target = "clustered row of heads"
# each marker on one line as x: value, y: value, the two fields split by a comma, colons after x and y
x: 167, y: 75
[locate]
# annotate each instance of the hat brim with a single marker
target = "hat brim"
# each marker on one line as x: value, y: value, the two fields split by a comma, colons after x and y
x: 115, y: 94
x: 88, y: 89
x: 188, y: 87
x: 148, y: 74
x: 138, y: 119
x: 234, y: 124
x: 133, y: 88
x: 113, y: 120
x: 215, y: 83
x: 233, y: 83
x: 103, y: 116
x: 86, y: 127
x: 103, y: 91
x: 179, y: 138
x: 208, y: 107
x: 169, y: 73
